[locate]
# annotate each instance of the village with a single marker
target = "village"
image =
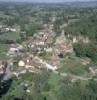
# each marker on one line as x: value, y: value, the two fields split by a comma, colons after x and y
x: 41, y: 52
x: 48, y: 50
x: 40, y: 43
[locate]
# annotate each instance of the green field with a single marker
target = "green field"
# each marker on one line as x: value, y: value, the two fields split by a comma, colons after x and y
x: 4, y: 47
x: 9, y: 36
x: 54, y: 80
x: 74, y: 66
x: 3, y: 50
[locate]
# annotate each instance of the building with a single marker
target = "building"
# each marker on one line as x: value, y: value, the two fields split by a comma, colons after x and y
x: 15, y: 49
x: 33, y: 63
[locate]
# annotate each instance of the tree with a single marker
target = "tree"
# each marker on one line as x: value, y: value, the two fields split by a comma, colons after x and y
x: 80, y: 49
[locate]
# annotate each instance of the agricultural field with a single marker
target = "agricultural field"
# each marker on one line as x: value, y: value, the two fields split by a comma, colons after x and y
x: 9, y: 36
x: 4, y: 47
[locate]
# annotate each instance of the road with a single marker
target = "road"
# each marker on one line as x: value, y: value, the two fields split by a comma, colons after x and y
x: 74, y: 77
x: 8, y: 73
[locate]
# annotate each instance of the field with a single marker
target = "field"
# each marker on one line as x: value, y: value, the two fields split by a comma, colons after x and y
x: 9, y: 36
x: 54, y: 81
x: 4, y: 47
x: 74, y: 66
x: 3, y: 50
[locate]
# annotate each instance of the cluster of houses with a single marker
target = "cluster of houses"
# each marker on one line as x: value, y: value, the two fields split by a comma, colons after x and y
x: 34, y: 62
x: 64, y: 48
x: 41, y: 42
x: 62, y: 45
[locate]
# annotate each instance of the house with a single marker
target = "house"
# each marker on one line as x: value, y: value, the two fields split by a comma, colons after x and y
x: 63, y: 48
x: 49, y: 50
x: 53, y: 19
x: 13, y: 30
x: 10, y: 29
x: 66, y: 47
x: 29, y: 63
x: 77, y: 39
x: 49, y: 67
x: 21, y: 63
x: 1, y: 26
x: 44, y: 64
x: 15, y: 49
x: 37, y: 46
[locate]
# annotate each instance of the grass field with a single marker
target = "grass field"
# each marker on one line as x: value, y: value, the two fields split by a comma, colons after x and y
x: 3, y: 50
x: 4, y: 47
x: 9, y: 36
x: 54, y: 84
x: 74, y: 66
